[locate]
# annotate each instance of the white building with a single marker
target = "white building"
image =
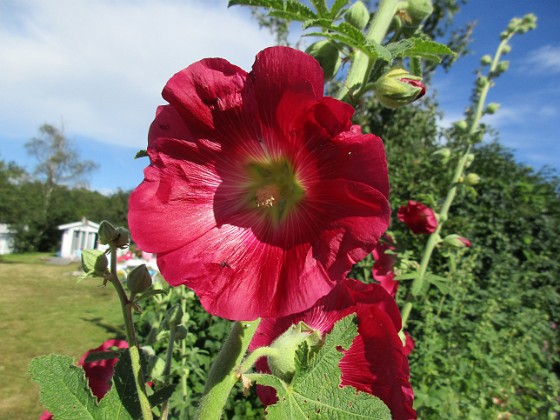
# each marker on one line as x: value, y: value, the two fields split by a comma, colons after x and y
x: 6, y: 241
x: 78, y: 236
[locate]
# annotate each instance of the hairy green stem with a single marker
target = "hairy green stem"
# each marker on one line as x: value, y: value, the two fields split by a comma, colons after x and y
x: 223, y: 373
x: 361, y: 65
x: 133, y: 347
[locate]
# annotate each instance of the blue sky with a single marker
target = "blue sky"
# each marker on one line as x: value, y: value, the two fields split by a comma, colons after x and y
x: 99, y: 67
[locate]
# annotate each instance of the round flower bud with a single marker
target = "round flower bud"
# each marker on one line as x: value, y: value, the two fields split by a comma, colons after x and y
x: 461, y: 125
x: 94, y: 262
x: 122, y: 238
x: 139, y: 280
x: 398, y: 87
x: 357, y: 15
x: 444, y: 153
x: 180, y: 333
x: 486, y: 60
x: 174, y: 316
x: 503, y: 66
x: 506, y: 49
x: 328, y: 56
x: 106, y: 232
x: 469, y: 160
x: 456, y: 241
x: 492, y: 108
x: 418, y: 10
x: 472, y: 179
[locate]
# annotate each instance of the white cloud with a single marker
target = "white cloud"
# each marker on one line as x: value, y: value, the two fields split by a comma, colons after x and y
x: 101, y: 65
x: 545, y: 59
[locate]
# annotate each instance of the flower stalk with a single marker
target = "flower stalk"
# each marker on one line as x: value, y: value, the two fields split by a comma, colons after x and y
x: 133, y: 348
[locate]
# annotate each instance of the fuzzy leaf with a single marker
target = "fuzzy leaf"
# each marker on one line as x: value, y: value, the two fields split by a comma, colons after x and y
x: 315, y: 392
x: 64, y: 388
x: 418, y: 47
x: 336, y: 7
x: 321, y: 7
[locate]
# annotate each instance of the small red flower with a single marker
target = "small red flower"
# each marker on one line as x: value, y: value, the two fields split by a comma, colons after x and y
x: 384, y: 264
x: 375, y: 363
x: 419, y: 218
x: 99, y: 372
x: 260, y: 195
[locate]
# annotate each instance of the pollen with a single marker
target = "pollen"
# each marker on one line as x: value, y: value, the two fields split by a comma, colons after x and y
x: 267, y: 196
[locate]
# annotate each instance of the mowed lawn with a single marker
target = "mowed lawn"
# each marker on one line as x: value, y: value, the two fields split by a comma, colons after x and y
x: 44, y: 310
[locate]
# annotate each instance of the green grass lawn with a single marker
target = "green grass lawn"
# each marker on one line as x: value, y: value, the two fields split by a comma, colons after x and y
x: 44, y: 310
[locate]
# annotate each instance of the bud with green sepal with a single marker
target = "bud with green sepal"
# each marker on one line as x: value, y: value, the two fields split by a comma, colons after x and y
x: 174, y: 316
x: 456, y: 241
x: 486, y: 60
x: 469, y: 159
x: 472, y: 179
x: 106, y: 232
x: 328, y: 56
x: 139, y: 280
x: 419, y: 10
x: 444, y: 153
x: 180, y: 333
x: 398, y: 87
x: 357, y: 15
x: 94, y: 263
x: 461, y: 125
x: 492, y: 108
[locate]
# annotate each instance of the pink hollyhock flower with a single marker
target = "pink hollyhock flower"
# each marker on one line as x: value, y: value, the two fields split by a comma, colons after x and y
x: 384, y: 264
x: 99, y: 372
x: 375, y: 363
x: 419, y: 218
x: 260, y: 195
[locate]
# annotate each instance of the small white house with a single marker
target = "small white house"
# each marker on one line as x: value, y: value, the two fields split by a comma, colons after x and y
x: 78, y: 236
x: 6, y: 239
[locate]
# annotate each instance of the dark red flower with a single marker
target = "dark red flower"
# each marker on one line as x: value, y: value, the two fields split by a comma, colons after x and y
x: 260, y: 195
x: 419, y: 218
x: 375, y: 363
x: 384, y: 264
x: 99, y: 372
x: 409, y: 344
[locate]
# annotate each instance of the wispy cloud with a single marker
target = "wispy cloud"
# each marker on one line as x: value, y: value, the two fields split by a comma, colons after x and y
x: 100, y: 66
x: 545, y: 59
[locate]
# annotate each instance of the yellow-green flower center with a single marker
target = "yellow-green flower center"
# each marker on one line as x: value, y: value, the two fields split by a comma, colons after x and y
x: 273, y: 188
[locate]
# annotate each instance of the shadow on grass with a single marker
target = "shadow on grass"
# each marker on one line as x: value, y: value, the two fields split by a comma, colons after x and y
x: 117, y: 330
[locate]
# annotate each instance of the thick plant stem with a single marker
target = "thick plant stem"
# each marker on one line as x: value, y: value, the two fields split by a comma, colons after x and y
x: 223, y: 375
x: 133, y: 347
x: 361, y: 66
x: 418, y: 285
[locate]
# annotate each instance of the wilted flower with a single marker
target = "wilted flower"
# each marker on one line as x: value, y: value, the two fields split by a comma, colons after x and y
x: 260, y: 194
x: 384, y: 264
x: 419, y: 218
x: 375, y: 363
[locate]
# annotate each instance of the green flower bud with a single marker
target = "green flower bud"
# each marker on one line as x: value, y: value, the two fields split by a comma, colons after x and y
x: 122, y: 238
x: 461, y: 125
x: 106, y: 232
x: 139, y: 280
x: 398, y: 87
x: 180, y: 333
x: 419, y: 10
x: 357, y: 15
x: 506, y: 49
x: 486, y: 60
x: 469, y: 160
x: 94, y: 263
x: 503, y: 66
x: 456, y: 241
x: 174, y: 316
x: 492, y: 108
x: 328, y: 56
x: 444, y: 152
x: 472, y: 179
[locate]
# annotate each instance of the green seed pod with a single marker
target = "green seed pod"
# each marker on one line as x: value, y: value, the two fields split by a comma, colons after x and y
x: 139, y: 280
x: 357, y: 15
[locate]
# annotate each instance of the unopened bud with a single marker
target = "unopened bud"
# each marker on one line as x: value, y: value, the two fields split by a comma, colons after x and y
x: 492, y: 108
x: 419, y: 10
x: 461, y: 125
x: 180, y: 333
x: 469, y: 160
x: 444, y: 153
x: 503, y: 66
x: 486, y: 60
x: 456, y: 241
x: 472, y: 179
x: 357, y: 15
x: 139, y: 280
x: 328, y: 56
x: 106, y: 232
x: 174, y: 316
x: 94, y: 263
x: 506, y: 49
x: 398, y: 87
x: 122, y: 239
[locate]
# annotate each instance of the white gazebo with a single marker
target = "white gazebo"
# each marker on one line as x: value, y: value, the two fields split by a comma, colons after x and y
x: 78, y: 236
x: 6, y: 239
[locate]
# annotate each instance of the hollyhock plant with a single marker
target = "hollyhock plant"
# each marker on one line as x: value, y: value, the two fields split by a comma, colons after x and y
x: 260, y: 194
x: 383, y: 267
x: 419, y: 218
x: 375, y: 363
x: 99, y: 373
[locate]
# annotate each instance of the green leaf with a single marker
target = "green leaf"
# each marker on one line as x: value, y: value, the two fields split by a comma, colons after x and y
x: 418, y: 47
x: 314, y: 391
x: 141, y: 153
x: 336, y: 7
x: 162, y: 395
x: 150, y: 293
x: 408, y: 276
x: 321, y: 7
x: 64, y: 388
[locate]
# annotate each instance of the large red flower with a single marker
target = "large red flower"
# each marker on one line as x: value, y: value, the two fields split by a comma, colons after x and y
x: 260, y: 194
x: 99, y: 373
x: 375, y: 363
x: 419, y: 218
x: 383, y: 267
